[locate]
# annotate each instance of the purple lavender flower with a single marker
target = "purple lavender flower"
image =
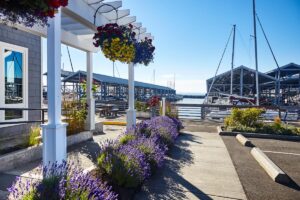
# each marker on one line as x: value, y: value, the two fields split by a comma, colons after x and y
x: 153, y: 151
x: 164, y: 127
x: 62, y: 182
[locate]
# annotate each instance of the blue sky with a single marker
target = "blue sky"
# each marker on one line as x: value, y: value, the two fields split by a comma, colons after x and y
x: 190, y: 36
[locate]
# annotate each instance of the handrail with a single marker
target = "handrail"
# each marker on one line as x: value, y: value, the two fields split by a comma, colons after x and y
x: 43, y: 110
x: 27, y: 109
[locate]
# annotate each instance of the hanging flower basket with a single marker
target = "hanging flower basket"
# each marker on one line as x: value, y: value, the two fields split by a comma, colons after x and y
x: 144, y: 52
x: 29, y: 12
x: 116, y: 42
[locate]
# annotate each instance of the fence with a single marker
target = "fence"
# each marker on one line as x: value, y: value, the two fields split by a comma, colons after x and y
x: 203, y: 111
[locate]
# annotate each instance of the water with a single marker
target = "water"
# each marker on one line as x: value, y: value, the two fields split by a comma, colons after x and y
x: 189, y: 112
x: 191, y: 101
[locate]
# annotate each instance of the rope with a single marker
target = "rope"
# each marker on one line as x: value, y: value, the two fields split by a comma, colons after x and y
x: 205, y: 100
x: 70, y: 59
x: 268, y: 42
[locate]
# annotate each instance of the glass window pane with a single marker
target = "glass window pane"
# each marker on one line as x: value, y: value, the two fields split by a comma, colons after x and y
x: 13, y: 114
x: 13, y: 65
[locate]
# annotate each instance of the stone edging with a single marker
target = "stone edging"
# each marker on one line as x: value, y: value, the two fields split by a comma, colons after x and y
x: 17, y: 158
x: 259, y: 135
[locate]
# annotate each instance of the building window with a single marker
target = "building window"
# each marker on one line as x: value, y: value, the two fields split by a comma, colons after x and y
x: 13, y: 81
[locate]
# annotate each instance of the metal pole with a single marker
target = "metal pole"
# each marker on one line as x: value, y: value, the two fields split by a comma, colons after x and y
x: 113, y: 69
x: 255, y: 48
x: 232, y: 60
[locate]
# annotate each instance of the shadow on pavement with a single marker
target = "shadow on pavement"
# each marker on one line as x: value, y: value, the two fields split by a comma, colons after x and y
x: 168, y: 183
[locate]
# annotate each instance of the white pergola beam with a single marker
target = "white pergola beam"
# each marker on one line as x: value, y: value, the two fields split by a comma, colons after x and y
x: 112, y: 16
x: 140, y: 31
x: 83, y: 13
x: 93, y: 1
x: 107, y: 7
x: 127, y: 20
x: 136, y: 25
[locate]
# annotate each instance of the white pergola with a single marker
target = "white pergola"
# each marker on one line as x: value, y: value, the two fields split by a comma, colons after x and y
x: 74, y: 26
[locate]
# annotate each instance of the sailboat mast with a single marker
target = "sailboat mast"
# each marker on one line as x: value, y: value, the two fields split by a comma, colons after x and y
x: 255, y: 49
x: 232, y: 60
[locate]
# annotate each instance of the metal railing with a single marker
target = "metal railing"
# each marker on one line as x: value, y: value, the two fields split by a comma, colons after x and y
x: 200, y: 111
x: 42, y: 110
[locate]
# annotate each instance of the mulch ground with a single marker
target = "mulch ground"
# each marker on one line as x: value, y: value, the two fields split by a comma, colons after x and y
x: 256, y: 182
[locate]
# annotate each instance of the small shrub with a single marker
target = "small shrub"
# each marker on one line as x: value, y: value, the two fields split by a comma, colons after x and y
x: 124, y: 166
x: 76, y: 114
x: 34, y: 133
x: 243, y: 117
x: 141, y: 106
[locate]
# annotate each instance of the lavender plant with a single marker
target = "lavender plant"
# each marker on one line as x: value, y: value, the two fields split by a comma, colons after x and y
x: 62, y: 182
x: 166, y: 128
x: 151, y: 148
x: 125, y: 165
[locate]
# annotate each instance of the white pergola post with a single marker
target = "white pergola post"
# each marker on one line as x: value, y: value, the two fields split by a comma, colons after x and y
x: 164, y: 106
x: 54, y: 132
x: 90, y: 122
x: 130, y: 113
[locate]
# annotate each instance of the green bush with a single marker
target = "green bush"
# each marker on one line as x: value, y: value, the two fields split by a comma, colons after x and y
x: 244, y: 117
x: 141, y: 106
x: 76, y: 114
x: 247, y: 120
x: 34, y: 133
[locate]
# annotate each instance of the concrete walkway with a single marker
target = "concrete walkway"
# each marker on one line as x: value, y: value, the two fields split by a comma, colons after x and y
x: 198, y: 167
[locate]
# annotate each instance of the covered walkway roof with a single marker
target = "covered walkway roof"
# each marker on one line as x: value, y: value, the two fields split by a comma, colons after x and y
x: 248, y: 76
x: 286, y: 70
x: 74, y: 77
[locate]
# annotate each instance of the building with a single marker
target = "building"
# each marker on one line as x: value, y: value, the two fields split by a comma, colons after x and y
x: 280, y: 86
x: 20, y: 54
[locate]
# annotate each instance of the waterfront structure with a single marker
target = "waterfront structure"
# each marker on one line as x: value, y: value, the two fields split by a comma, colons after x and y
x: 280, y: 86
x: 114, y: 87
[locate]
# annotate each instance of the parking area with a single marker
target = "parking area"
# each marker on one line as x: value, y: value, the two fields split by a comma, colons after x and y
x: 257, y: 184
x: 286, y: 155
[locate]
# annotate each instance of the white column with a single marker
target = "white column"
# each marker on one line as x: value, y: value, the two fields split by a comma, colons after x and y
x: 164, y: 106
x: 54, y: 132
x: 90, y: 122
x: 130, y: 113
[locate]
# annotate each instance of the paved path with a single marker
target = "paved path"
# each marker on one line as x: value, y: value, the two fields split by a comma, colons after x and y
x: 198, y: 167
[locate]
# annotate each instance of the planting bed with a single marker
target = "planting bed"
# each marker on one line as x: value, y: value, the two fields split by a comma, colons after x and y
x: 123, y: 165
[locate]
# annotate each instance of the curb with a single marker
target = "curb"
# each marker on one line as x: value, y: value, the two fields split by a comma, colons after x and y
x: 269, y: 166
x: 244, y: 141
x: 259, y: 135
x: 17, y: 158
